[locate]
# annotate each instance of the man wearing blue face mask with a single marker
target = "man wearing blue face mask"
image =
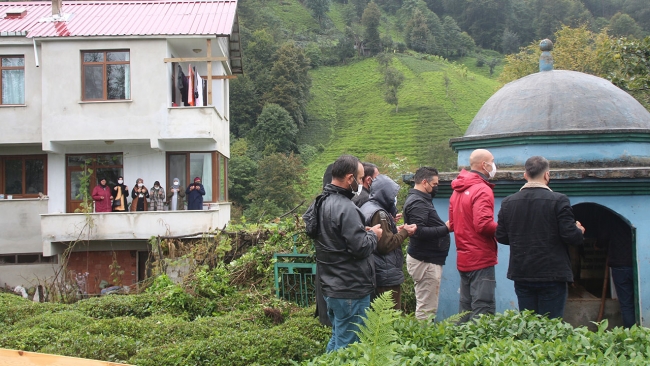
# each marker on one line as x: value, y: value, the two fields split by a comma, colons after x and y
x: 429, y: 246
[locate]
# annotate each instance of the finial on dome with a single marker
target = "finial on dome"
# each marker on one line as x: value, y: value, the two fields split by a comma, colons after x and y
x: 546, y: 59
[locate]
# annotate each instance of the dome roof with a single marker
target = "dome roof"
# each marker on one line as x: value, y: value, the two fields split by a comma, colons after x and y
x: 558, y: 101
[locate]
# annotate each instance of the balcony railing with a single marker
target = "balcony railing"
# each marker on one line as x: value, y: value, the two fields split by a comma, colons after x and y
x: 66, y: 228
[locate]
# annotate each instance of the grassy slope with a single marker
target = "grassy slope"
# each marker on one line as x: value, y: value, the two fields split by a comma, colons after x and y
x: 348, y: 113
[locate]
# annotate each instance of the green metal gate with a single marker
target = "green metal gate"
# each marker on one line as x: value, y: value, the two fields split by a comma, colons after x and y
x: 295, y: 276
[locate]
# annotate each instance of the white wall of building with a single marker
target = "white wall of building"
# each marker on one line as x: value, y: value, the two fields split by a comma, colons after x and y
x: 20, y: 225
x: 66, y: 117
x: 26, y: 275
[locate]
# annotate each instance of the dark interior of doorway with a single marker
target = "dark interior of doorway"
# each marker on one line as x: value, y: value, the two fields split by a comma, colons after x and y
x: 589, y: 261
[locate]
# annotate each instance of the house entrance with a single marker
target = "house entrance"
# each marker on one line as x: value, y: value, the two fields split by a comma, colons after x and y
x: 610, y: 242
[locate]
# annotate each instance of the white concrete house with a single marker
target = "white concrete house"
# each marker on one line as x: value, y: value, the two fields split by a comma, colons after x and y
x: 98, y: 82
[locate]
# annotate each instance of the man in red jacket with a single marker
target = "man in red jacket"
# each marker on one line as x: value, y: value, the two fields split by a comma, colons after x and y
x: 471, y: 219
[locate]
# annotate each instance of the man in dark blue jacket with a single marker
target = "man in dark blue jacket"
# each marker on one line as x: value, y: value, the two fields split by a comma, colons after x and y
x: 344, y: 247
x: 539, y: 225
x: 429, y: 246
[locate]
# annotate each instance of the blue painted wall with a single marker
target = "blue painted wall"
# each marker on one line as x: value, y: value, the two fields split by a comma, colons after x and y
x: 633, y: 208
x: 574, y: 153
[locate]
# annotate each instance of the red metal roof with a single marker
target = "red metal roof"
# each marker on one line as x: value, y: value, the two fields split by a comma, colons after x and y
x: 121, y: 18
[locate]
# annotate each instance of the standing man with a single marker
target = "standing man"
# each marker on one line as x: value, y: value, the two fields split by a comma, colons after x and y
x: 344, y: 247
x: 370, y: 172
x: 539, y: 226
x: 471, y: 219
x: 195, y: 193
x: 389, y: 258
x: 429, y: 246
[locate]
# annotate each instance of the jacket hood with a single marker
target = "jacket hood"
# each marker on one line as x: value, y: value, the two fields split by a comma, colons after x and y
x: 467, y: 179
x: 383, y: 191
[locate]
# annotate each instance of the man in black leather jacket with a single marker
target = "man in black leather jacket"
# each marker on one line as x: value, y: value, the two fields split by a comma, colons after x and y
x: 539, y: 225
x: 344, y: 247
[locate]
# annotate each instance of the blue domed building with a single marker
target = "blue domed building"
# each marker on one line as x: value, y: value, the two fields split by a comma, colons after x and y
x: 597, y: 140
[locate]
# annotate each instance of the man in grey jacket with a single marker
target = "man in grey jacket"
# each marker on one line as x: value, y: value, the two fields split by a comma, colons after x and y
x: 344, y: 247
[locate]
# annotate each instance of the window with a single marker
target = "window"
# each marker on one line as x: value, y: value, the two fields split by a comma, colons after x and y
x: 106, y: 75
x: 32, y: 258
x: 107, y: 166
x: 23, y: 176
x: 211, y: 167
x: 12, y: 79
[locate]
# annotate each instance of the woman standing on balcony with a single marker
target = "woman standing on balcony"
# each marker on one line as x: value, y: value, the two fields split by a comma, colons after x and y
x: 195, y: 193
x: 176, y: 196
x: 120, y: 192
x: 139, y: 194
x: 102, y: 197
x: 157, y: 194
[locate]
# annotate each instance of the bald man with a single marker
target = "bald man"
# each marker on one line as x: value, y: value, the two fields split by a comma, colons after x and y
x: 471, y: 218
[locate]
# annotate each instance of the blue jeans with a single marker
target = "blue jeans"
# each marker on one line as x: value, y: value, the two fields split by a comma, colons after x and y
x: 624, y: 282
x: 343, y: 314
x: 544, y: 298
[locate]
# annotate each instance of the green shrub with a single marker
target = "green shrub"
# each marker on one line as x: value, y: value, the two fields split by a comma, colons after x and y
x: 113, y: 306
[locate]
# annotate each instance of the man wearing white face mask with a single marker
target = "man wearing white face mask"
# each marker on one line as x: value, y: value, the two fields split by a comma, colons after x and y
x: 471, y: 219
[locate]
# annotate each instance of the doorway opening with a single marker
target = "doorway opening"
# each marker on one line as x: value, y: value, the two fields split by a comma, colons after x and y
x: 609, y: 246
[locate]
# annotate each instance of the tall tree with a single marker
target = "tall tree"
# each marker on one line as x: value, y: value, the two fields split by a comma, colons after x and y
x: 291, y: 81
x: 394, y: 80
x: 370, y: 20
x: 275, y: 131
x: 451, y: 35
x: 359, y: 7
x: 485, y: 20
x: 281, y: 176
x: 244, y: 105
x: 319, y: 8
x: 509, y: 42
x: 417, y: 34
x: 622, y: 25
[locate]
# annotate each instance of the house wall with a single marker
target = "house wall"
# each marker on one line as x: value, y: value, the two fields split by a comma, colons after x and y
x: 105, y: 120
x: 98, y: 266
x: 26, y: 275
x: 633, y: 208
x: 20, y: 226
x: 22, y: 124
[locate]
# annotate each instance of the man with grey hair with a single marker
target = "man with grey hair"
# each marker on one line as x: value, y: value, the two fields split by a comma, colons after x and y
x: 539, y: 225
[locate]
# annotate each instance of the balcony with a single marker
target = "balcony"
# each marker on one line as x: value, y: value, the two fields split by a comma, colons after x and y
x: 109, y: 226
x: 193, y: 123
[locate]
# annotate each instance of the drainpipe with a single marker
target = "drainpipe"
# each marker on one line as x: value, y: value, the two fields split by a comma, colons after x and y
x: 35, y: 53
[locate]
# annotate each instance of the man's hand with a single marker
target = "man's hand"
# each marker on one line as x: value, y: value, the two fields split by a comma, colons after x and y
x: 398, y: 217
x: 579, y: 225
x: 410, y: 229
x: 448, y: 225
x: 376, y: 229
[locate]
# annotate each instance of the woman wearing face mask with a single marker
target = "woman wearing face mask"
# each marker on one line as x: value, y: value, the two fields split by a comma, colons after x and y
x: 120, y: 192
x: 102, y: 196
x: 139, y: 194
x: 176, y: 196
x: 157, y: 194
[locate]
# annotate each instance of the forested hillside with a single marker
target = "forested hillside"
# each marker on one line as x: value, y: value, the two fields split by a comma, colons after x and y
x: 387, y: 81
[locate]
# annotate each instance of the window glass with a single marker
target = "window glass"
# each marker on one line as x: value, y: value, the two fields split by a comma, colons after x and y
x: 7, y: 259
x: 28, y: 258
x: 75, y: 185
x: 13, y: 61
x: 34, y: 176
x: 78, y: 160
x: 93, y: 56
x: 178, y: 169
x: 13, y: 177
x: 117, y: 56
x: 201, y: 166
x: 117, y: 78
x: 222, y: 178
x: 93, y: 79
x: 12, y: 80
x: 109, y: 159
x: 110, y: 174
x: 13, y: 86
x: 52, y: 259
